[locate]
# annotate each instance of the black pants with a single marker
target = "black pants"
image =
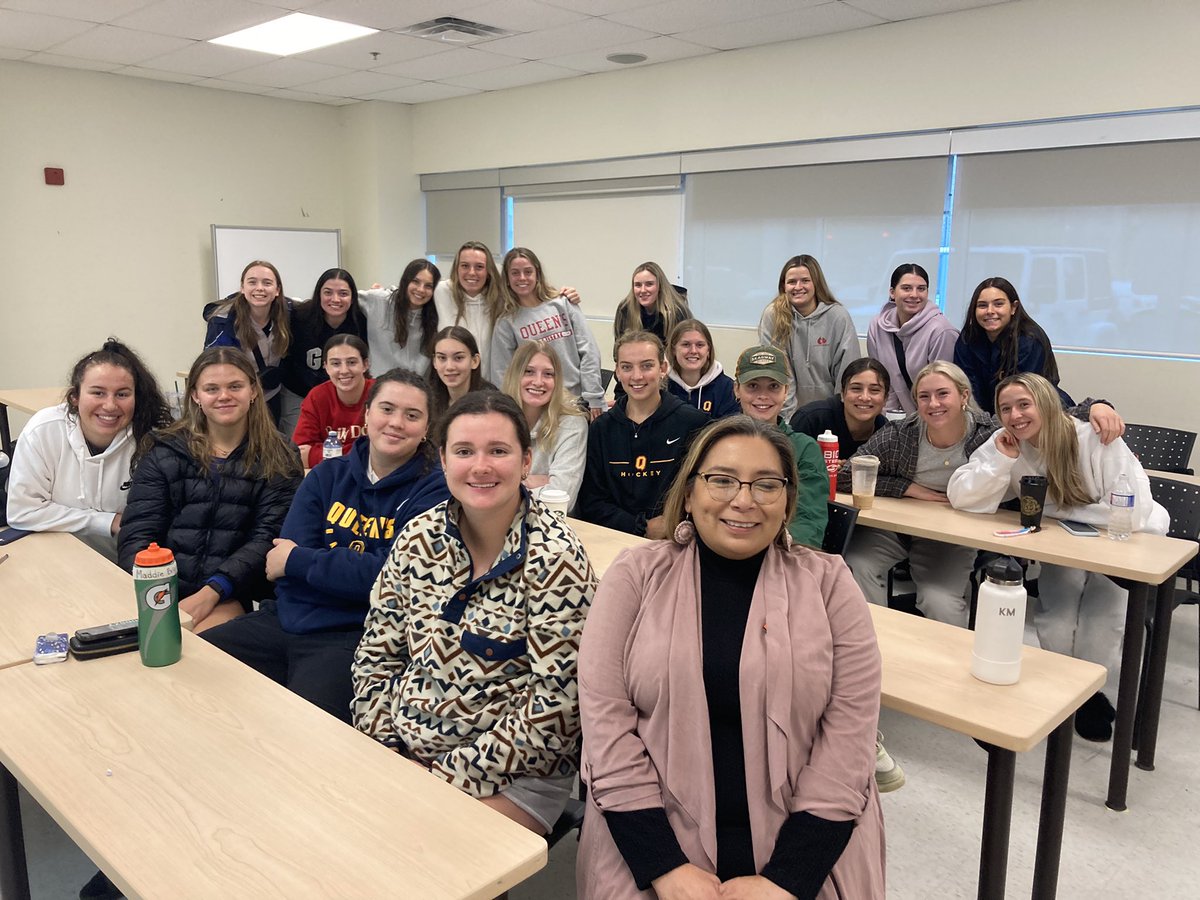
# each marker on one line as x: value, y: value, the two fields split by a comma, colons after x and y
x: 315, y: 666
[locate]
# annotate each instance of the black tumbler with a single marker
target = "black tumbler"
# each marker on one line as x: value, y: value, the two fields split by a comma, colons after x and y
x: 1033, y: 498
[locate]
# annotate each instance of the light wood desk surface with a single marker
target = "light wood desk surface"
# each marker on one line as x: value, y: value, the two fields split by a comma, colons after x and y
x: 224, y: 784
x: 30, y: 400
x: 927, y: 669
x: 1148, y: 558
x: 1175, y: 476
x: 54, y: 582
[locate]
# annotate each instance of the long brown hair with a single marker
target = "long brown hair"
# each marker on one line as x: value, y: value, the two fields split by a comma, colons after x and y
x: 669, y: 306
x: 1058, y: 443
x: 730, y: 426
x: 401, y: 306
x: 781, y: 306
x: 281, y: 328
x: 509, y: 303
x: 491, y: 291
x: 150, y: 409
x: 268, y: 455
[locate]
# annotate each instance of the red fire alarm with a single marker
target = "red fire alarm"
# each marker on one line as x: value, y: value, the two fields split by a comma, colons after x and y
x: 55, y: 176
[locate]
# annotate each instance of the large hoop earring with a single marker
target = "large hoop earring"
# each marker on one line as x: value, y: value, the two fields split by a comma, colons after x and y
x: 685, y: 531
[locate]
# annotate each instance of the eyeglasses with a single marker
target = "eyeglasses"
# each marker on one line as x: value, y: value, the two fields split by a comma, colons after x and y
x: 723, y: 488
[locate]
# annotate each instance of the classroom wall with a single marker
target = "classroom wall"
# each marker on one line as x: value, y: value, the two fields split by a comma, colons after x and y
x: 124, y: 247
x: 1026, y: 60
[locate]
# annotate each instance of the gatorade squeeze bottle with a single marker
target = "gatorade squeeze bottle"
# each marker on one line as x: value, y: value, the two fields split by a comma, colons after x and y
x: 828, y: 443
x: 156, y: 583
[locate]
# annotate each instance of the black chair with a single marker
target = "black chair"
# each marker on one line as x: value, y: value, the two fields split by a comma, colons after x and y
x: 1165, y: 449
x: 1182, y: 500
x: 571, y: 819
x: 839, y: 529
x: 606, y: 377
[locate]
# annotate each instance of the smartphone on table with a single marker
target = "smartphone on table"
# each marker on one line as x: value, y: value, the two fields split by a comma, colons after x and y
x: 1079, y: 529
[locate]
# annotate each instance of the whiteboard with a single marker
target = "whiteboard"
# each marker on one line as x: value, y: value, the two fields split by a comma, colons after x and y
x: 300, y: 255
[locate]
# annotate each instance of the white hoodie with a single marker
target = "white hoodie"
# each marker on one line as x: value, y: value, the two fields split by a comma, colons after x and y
x: 57, y: 485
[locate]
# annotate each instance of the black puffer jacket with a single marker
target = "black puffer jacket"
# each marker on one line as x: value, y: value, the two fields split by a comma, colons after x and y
x: 214, y: 524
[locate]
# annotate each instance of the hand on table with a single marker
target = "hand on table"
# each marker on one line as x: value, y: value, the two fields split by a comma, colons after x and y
x: 200, y: 604
x: 656, y: 528
x: 754, y: 887
x: 687, y: 882
x: 919, y: 492
x: 277, y: 558
x: 1106, y: 422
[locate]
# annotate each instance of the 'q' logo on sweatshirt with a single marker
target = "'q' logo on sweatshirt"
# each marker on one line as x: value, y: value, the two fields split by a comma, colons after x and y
x: 158, y: 596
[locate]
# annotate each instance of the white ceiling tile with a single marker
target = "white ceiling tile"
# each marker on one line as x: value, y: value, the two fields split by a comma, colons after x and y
x: 205, y: 60
x: 286, y: 73
x: 518, y: 15
x: 358, y: 84
x: 674, y: 16
x: 14, y: 53
x: 326, y: 99
x: 598, y: 7
x: 199, y: 21
x: 121, y: 45
x: 157, y: 74
x: 388, y: 14
x: 422, y: 93
x: 392, y: 48
x: 70, y: 62
x: 223, y: 85
x: 825, y: 19
x: 511, y: 76
x: 29, y: 31
x: 657, y: 50
x: 589, y: 34
x: 86, y: 10
x: 462, y: 61
x: 899, y: 10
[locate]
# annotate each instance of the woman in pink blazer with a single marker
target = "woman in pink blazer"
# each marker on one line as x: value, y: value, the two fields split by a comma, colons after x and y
x: 729, y: 692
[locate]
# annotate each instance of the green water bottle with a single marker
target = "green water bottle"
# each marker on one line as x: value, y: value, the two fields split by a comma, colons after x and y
x: 156, y: 583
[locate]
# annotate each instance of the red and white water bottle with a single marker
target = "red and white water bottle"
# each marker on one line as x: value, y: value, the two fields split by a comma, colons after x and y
x: 828, y: 443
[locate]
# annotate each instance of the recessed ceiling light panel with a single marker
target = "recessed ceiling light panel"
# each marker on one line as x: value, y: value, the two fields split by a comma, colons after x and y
x: 296, y: 33
x: 626, y: 59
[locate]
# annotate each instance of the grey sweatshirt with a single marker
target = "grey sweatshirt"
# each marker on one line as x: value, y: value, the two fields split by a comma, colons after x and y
x: 820, y: 347
x: 381, y: 338
x: 562, y: 325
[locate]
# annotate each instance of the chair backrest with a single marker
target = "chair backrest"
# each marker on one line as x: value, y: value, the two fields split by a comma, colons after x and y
x: 1165, y: 449
x: 1181, y: 500
x: 840, y: 528
x: 606, y: 377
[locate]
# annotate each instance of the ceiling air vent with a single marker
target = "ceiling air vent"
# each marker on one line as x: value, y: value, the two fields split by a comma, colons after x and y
x: 455, y: 31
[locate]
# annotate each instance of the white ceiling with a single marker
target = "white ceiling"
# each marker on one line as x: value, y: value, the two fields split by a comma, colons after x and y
x: 549, y: 40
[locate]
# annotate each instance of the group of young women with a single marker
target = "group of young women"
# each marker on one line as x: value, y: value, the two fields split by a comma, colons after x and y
x: 416, y: 587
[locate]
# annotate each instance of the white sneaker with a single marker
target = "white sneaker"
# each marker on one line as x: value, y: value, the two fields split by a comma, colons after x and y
x: 888, y: 774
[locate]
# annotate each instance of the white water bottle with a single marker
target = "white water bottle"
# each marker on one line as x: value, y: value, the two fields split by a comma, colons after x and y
x: 999, y: 623
x: 1120, y: 510
x: 332, y: 448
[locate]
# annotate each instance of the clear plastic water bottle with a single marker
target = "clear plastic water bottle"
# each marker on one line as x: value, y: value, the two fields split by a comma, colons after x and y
x: 332, y: 448
x: 1120, y: 510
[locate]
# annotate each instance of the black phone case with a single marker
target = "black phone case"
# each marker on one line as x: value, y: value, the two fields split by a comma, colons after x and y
x: 108, y: 647
x: 11, y: 535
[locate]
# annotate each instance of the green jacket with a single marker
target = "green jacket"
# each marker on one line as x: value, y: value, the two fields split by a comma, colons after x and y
x: 812, y: 489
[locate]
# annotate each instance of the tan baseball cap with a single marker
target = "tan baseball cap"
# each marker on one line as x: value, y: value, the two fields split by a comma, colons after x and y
x: 762, y: 362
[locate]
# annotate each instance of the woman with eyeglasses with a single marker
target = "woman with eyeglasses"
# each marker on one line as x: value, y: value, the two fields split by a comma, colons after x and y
x: 729, y: 690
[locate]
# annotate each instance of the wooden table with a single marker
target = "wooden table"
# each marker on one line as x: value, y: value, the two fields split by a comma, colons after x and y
x: 54, y: 582
x: 926, y: 674
x: 1145, y: 559
x: 1175, y: 476
x: 206, y: 779
x: 28, y: 400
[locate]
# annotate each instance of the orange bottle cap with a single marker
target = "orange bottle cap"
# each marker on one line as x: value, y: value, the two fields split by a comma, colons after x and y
x: 154, y: 555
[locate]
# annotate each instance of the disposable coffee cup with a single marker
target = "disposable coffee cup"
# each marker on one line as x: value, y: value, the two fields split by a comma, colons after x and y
x: 863, y: 472
x: 555, y: 499
x: 1033, y: 498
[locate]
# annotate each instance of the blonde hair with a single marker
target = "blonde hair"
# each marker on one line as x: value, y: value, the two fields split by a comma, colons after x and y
x: 268, y: 454
x: 956, y: 375
x: 561, y: 404
x: 491, y: 291
x: 509, y: 303
x: 731, y: 426
x: 781, y: 306
x: 671, y: 308
x: 1058, y: 443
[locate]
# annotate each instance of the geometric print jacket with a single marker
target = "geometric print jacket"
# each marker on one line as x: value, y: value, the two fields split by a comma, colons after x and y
x: 476, y: 679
